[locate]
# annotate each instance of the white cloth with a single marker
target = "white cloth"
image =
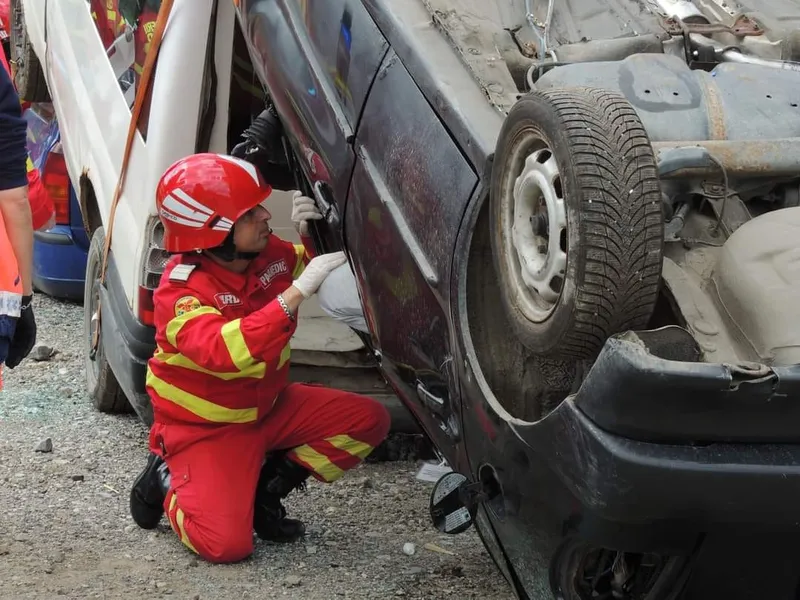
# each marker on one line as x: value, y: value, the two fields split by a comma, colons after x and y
x: 338, y: 296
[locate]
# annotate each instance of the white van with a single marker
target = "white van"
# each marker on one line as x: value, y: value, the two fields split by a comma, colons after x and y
x: 203, y: 97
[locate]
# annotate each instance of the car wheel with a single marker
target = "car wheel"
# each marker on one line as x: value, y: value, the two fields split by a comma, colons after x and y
x: 580, y: 571
x: 105, y: 392
x: 577, y: 228
x: 28, y: 74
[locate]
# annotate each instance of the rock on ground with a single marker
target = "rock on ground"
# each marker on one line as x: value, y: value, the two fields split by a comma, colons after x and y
x: 65, y: 531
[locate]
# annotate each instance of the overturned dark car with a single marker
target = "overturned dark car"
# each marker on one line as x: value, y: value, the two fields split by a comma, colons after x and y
x: 575, y: 228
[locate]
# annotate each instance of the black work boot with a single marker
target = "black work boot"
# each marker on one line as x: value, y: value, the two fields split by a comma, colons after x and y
x: 148, y: 493
x: 278, y: 477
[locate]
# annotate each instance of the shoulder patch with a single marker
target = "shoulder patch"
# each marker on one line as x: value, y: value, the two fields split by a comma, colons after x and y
x: 186, y: 304
x: 181, y: 272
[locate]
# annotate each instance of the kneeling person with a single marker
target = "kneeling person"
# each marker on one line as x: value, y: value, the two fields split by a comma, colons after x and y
x: 231, y: 436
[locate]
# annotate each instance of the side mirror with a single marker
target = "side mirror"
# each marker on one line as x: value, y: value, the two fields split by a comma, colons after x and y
x: 452, y: 505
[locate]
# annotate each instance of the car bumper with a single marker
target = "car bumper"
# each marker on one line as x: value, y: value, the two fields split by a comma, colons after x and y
x: 678, y: 448
x: 128, y: 344
x: 634, y: 394
x: 734, y: 507
x: 59, y: 263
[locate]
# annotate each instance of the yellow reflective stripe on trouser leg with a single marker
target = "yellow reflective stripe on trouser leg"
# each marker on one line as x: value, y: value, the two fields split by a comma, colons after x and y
x: 350, y: 445
x: 319, y: 463
x: 179, y: 516
x: 199, y: 406
x: 299, y: 266
x: 177, y: 525
x: 237, y: 347
x: 173, y: 501
x: 175, y: 325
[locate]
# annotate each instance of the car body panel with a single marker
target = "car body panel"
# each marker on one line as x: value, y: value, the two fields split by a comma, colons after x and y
x: 319, y: 92
x: 439, y: 73
x: 409, y: 190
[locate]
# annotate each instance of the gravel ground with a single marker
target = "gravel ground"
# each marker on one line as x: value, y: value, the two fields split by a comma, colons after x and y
x: 65, y: 531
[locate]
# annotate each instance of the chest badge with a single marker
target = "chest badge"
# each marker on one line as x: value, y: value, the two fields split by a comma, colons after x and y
x: 227, y: 300
x: 275, y: 269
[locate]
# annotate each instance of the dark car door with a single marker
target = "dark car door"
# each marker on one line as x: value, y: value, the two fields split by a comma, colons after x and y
x: 407, y: 196
x: 318, y: 58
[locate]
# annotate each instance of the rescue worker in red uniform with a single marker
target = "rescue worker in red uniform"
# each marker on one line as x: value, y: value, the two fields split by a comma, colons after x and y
x: 231, y: 436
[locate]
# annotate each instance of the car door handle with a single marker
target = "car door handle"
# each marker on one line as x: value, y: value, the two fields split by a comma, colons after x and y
x: 327, y: 208
x: 431, y: 400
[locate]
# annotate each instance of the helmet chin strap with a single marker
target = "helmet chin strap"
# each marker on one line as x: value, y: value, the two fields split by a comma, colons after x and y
x: 227, y: 251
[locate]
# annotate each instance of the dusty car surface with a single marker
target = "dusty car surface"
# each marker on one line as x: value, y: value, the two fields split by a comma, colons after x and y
x: 575, y: 228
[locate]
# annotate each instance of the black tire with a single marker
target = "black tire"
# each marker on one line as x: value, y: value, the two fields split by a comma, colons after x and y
x: 667, y: 582
x: 102, y: 385
x: 28, y: 73
x: 607, y: 185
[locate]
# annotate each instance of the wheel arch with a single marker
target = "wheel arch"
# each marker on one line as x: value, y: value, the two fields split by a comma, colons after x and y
x: 87, y: 200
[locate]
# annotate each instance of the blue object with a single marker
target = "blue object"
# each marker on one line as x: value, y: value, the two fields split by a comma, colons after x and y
x: 59, y: 254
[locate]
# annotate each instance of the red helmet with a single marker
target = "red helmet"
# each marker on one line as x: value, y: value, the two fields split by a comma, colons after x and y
x: 200, y: 197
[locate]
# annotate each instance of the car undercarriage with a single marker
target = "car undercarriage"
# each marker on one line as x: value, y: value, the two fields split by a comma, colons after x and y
x: 709, y: 271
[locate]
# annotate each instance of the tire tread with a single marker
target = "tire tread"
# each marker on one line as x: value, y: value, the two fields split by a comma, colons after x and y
x: 618, y: 199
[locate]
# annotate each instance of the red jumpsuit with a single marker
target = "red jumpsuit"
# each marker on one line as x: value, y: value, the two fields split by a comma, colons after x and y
x: 221, y: 398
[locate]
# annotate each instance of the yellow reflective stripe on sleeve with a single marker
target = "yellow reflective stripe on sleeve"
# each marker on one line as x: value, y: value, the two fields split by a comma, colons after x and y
x: 175, y: 325
x: 199, y: 406
x: 299, y: 266
x: 237, y: 347
x: 242, y: 63
x: 350, y: 445
x: 184, y: 538
x: 319, y: 463
x: 285, y: 354
x: 248, y: 87
x: 256, y: 371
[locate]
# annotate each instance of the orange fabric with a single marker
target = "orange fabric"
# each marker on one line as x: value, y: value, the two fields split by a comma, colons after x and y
x: 10, y: 280
x: 214, y: 471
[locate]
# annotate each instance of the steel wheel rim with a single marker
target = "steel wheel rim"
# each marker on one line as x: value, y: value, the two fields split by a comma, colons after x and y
x: 608, y: 575
x: 537, y: 216
x: 94, y: 324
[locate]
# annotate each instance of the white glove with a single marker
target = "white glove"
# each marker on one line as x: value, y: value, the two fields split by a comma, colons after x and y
x: 303, y: 209
x: 316, y: 271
